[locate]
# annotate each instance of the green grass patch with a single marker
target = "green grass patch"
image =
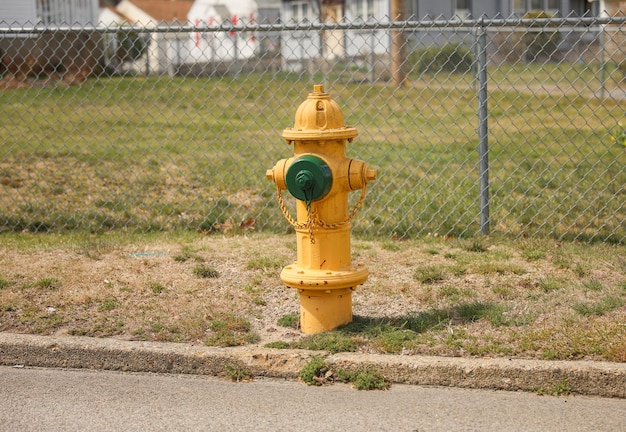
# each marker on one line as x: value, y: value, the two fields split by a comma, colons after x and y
x: 230, y: 330
x: 289, y: 321
x: 238, y: 373
x: 430, y: 274
x: 333, y: 342
x: 108, y: 305
x: 314, y: 372
x: 186, y: 255
x: 5, y: 283
x: 318, y: 372
x: 157, y: 288
x: 48, y: 283
x: 599, y: 308
x: 550, y: 283
x: 266, y: 264
x: 206, y: 272
x: 593, y: 285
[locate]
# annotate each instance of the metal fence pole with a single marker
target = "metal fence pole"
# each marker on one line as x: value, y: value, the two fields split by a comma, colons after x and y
x: 602, y: 62
x: 483, y: 131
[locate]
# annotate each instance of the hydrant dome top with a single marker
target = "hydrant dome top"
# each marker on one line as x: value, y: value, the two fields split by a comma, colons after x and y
x: 319, y: 117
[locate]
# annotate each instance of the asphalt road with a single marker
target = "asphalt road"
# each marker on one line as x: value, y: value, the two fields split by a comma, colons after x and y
x: 34, y: 399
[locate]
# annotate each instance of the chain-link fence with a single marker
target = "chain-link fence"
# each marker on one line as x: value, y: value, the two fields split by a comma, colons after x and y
x: 509, y: 125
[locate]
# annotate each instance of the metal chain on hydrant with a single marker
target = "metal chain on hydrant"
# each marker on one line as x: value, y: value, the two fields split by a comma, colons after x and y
x: 312, y: 220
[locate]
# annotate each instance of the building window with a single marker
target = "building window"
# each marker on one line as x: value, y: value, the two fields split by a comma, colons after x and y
x: 300, y: 11
x: 520, y: 7
x: 363, y: 10
x: 463, y: 9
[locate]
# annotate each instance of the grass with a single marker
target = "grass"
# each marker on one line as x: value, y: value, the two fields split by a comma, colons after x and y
x: 318, y: 372
x: 238, y: 373
x: 289, y: 320
x: 599, y: 308
x: 203, y: 271
x: 165, y: 159
x: 492, y: 302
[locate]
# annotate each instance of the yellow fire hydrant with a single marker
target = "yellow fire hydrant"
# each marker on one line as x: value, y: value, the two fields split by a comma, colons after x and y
x: 320, y: 176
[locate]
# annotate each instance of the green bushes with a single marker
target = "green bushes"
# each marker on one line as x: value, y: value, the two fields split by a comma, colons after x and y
x: 449, y: 58
x: 541, y: 43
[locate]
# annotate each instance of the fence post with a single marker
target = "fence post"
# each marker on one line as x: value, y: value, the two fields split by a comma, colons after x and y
x: 483, y: 131
x: 602, y: 62
x: 397, y: 45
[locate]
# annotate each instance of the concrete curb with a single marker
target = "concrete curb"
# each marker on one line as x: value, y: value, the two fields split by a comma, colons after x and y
x: 579, y: 377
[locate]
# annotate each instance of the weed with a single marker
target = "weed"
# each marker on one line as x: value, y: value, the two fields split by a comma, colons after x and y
x: 265, y: 264
x: 289, y: 321
x: 600, y: 308
x: 47, y: 283
x: 561, y: 388
x: 580, y: 270
x: 230, y: 330
x: 503, y: 291
x: 238, y: 373
x: 533, y: 251
x: 369, y: 379
x: 470, y: 312
x: 429, y: 274
x: 318, y: 371
x: 477, y: 245
x: 258, y: 300
x: 186, y: 255
x: 331, y: 341
x: 393, y: 340
x: 278, y: 345
x: 593, y: 285
x: 4, y: 283
x: 549, y: 355
x: 549, y: 284
x: 108, y: 305
x: 314, y: 372
x: 458, y: 270
x: 157, y: 288
x: 205, y: 272
x: 450, y: 292
x: 390, y: 246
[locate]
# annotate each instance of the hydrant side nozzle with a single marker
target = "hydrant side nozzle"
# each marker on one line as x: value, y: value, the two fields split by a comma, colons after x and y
x: 359, y: 174
x: 277, y: 174
x: 371, y: 174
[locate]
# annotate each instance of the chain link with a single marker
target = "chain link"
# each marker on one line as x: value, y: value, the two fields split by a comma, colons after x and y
x: 312, y: 220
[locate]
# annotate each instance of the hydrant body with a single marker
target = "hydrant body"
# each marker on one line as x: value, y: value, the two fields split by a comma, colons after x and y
x: 320, y: 177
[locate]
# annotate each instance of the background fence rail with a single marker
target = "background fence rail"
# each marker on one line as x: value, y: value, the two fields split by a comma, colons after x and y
x: 160, y: 128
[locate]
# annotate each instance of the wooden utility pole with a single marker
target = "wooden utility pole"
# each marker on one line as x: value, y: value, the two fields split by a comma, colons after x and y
x: 398, y: 43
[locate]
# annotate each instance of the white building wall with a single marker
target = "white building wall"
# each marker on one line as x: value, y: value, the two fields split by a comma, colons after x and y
x: 68, y: 12
x: 18, y: 12
x: 208, y: 47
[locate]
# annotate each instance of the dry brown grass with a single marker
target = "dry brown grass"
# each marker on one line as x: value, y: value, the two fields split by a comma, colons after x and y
x: 439, y: 296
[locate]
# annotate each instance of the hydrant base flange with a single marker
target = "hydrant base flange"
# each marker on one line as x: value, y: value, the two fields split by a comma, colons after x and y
x: 294, y: 276
x: 322, y: 311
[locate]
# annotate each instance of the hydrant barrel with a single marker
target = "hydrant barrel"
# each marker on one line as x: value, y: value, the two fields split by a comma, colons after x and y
x: 320, y: 176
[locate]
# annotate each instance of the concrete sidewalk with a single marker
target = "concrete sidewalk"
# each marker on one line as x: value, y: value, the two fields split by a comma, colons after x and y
x: 578, y: 377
